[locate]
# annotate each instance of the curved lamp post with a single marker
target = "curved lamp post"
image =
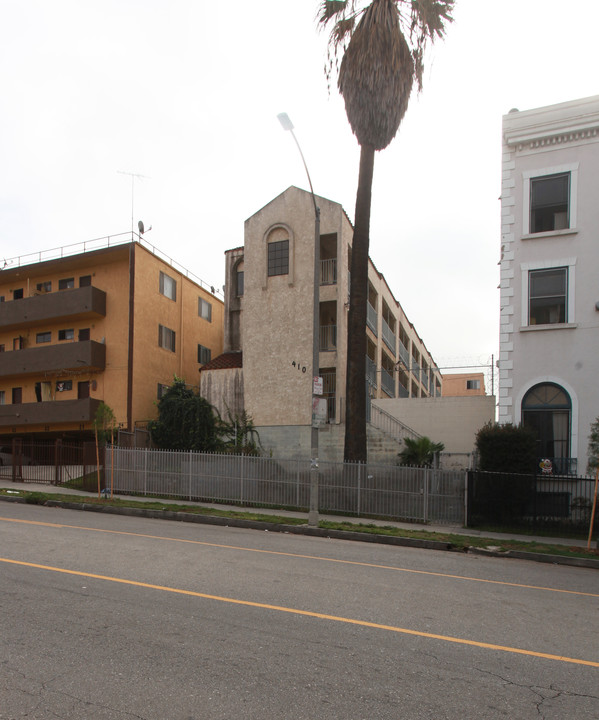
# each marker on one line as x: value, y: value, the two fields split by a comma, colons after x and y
x: 313, y: 511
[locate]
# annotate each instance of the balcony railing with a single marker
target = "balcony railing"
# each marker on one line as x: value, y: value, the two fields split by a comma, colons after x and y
x: 387, y: 383
x: 371, y: 372
x: 388, y: 337
x: 404, y: 354
x: 402, y: 391
x: 371, y: 319
x: 328, y: 338
x: 415, y: 369
x: 328, y: 271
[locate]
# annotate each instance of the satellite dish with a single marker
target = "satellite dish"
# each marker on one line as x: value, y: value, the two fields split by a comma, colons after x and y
x: 212, y: 289
x: 140, y: 225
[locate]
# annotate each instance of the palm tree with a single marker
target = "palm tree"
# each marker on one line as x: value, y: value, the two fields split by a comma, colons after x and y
x: 419, y: 452
x: 383, y: 45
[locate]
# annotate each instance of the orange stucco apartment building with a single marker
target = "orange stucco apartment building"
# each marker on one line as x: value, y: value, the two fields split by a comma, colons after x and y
x: 109, y: 321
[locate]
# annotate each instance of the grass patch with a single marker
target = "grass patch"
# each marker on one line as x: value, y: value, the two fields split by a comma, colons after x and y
x: 458, y: 541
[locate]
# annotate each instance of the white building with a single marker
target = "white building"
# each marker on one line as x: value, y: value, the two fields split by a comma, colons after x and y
x: 549, y: 337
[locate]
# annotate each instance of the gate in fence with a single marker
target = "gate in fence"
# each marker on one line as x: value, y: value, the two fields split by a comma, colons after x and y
x: 46, y: 463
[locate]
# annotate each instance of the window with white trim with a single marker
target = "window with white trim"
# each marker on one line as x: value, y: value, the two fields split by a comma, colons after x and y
x: 549, y: 199
x: 548, y: 293
x: 550, y: 203
x: 548, y: 296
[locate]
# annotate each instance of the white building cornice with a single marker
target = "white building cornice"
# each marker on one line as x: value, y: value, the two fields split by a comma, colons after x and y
x: 571, y: 122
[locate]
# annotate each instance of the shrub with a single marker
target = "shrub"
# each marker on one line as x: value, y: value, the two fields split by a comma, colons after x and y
x: 506, y: 448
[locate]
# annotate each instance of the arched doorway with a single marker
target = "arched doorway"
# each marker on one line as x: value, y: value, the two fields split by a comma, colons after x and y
x: 547, y: 411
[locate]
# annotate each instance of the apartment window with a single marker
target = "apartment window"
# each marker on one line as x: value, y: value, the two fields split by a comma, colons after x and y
x: 239, y: 280
x: 17, y: 395
x: 43, y: 337
x: 66, y: 283
x: 161, y: 391
x: 166, y: 338
x: 547, y: 293
x: 17, y: 294
x: 549, y: 203
x: 2, y: 347
x: 44, y: 287
x: 84, y: 334
x: 472, y: 384
x: 68, y: 334
x: 18, y: 343
x: 64, y: 385
x: 85, y: 281
x: 2, y: 397
x: 168, y: 286
x: 204, y: 309
x: 278, y: 258
x: 204, y: 355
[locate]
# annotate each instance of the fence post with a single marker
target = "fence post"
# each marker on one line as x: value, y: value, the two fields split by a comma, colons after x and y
x: 145, y: 471
x: 57, y: 461
x: 359, y: 490
x: 241, y: 483
x: 425, y: 494
x: 190, y: 453
x: 297, y: 483
x: 466, y: 498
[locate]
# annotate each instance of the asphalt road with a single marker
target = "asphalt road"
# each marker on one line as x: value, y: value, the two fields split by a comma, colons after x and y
x: 106, y: 616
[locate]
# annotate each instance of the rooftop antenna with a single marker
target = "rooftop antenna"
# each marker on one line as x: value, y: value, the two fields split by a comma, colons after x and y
x: 132, y: 176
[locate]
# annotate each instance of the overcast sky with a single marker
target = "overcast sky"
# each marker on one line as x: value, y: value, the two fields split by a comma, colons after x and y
x: 186, y: 93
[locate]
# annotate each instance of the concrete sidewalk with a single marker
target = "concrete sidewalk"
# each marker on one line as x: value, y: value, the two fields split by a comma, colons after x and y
x: 454, y: 529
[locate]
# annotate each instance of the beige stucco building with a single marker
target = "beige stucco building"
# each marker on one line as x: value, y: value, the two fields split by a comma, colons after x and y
x: 101, y: 322
x: 463, y: 384
x: 267, y: 363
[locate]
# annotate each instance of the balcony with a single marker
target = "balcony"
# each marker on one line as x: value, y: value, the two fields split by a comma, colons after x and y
x: 328, y: 338
x: 404, y: 354
x: 88, y: 354
x: 388, y: 337
x: 371, y: 318
x: 387, y: 383
x: 49, y: 413
x: 79, y: 303
x: 371, y: 372
x: 328, y: 271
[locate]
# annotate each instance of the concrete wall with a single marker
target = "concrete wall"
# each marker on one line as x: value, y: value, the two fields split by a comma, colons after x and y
x: 454, y: 421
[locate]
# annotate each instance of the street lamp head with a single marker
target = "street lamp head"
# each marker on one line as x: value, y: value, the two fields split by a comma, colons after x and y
x: 286, y: 123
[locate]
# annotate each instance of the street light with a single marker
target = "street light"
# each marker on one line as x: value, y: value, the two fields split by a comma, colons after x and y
x: 313, y: 511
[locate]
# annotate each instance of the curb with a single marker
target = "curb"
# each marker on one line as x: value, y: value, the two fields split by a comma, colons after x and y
x: 311, y: 531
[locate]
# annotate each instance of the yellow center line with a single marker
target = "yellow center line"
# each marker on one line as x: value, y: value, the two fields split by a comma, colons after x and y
x: 306, y: 557
x: 308, y: 613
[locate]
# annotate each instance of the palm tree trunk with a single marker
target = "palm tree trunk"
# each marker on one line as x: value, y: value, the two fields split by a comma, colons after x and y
x: 355, y: 392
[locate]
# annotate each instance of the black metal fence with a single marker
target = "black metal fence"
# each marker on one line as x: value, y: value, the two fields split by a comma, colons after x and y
x: 561, y: 505
x: 52, y: 462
